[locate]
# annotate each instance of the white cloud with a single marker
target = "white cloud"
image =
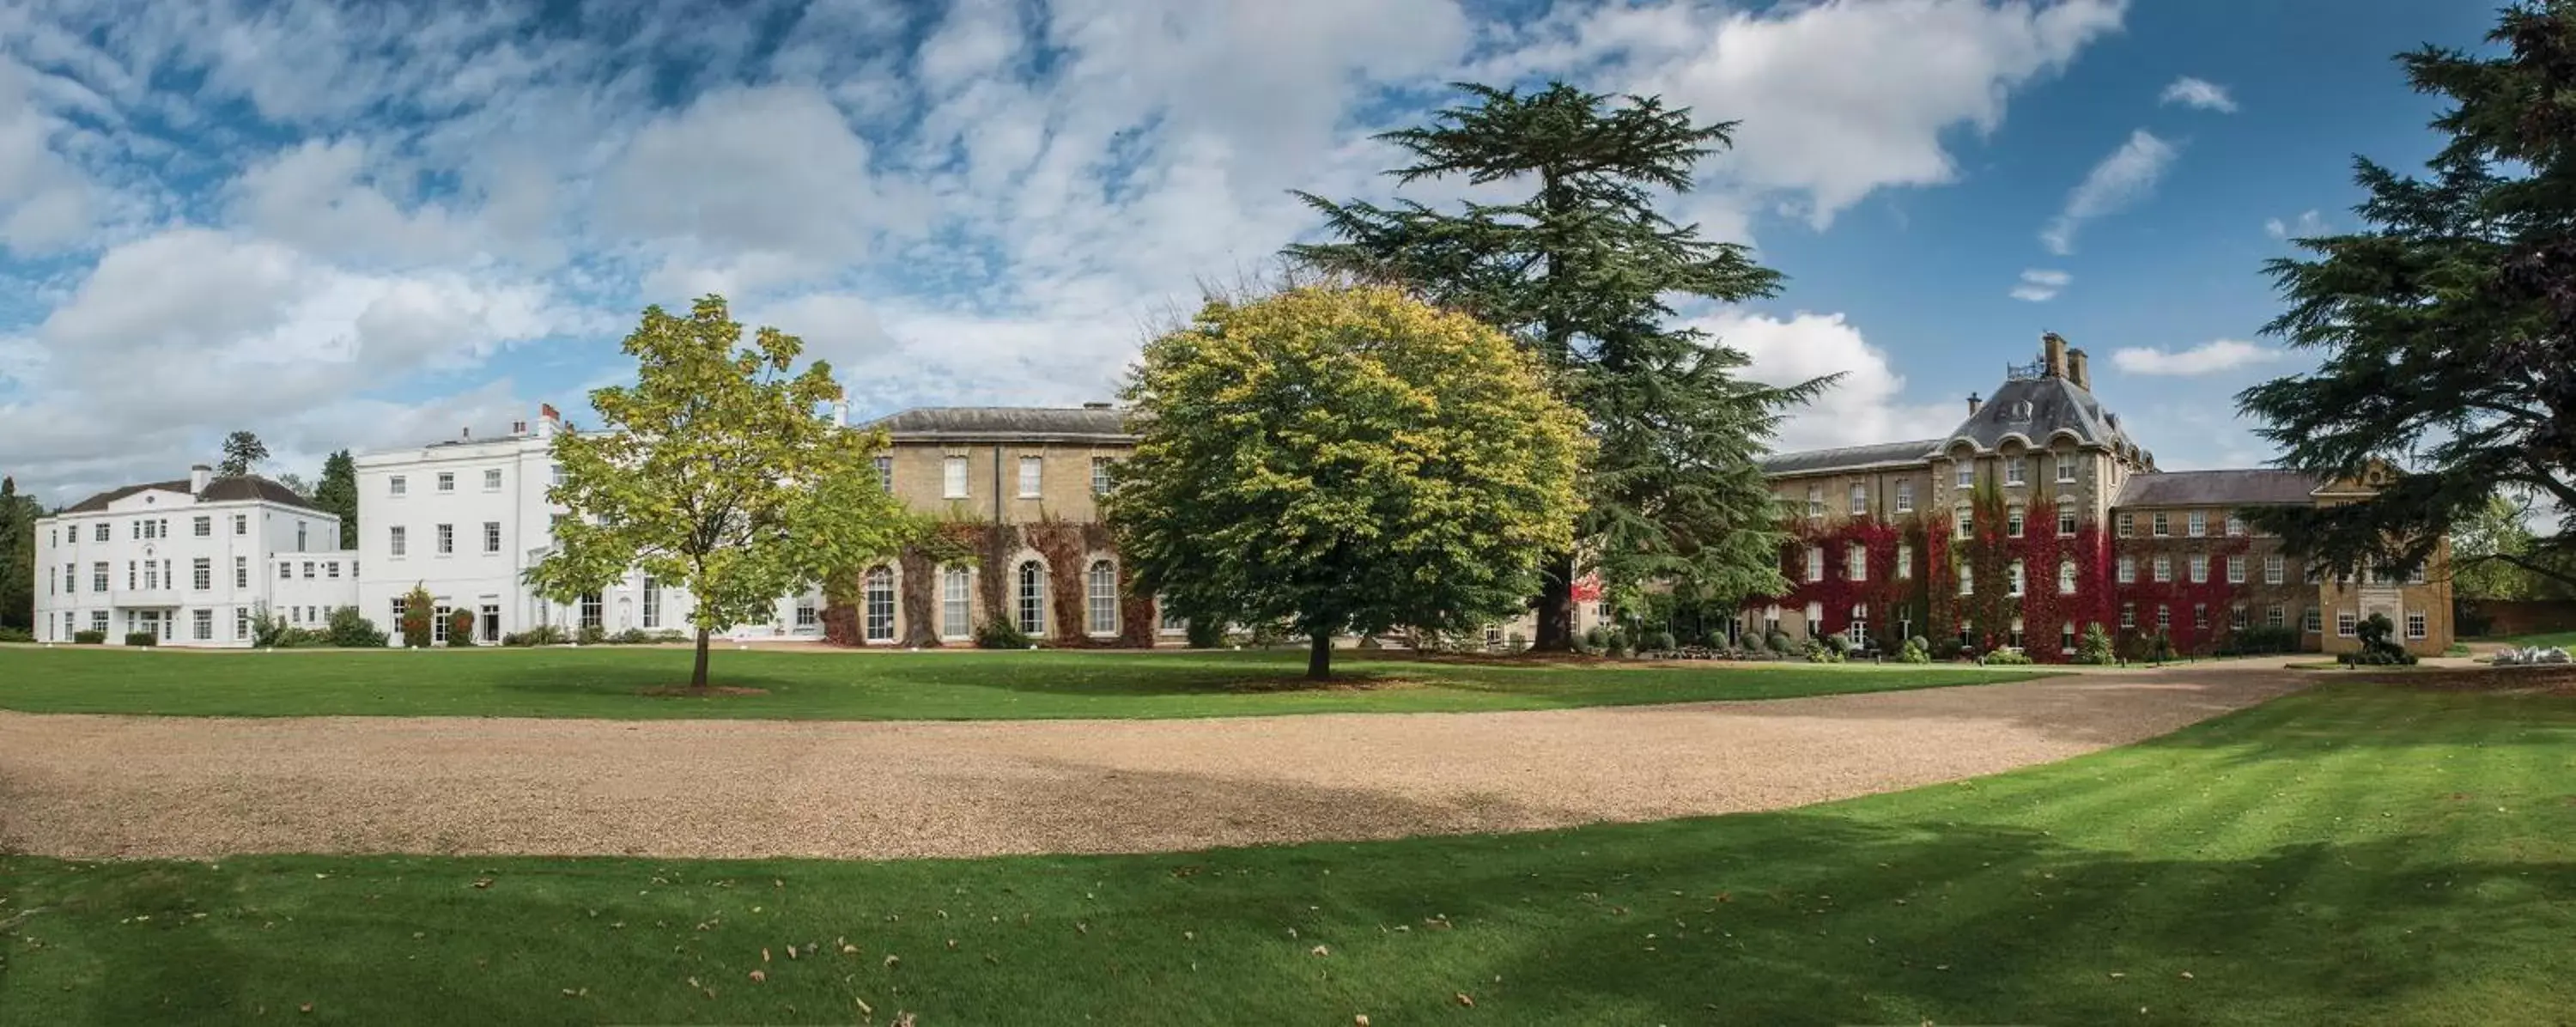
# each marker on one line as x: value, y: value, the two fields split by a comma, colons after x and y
x: 1867, y: 406
x: 2125, y: 177
x: 2309, y: 224
x: 2040, y: 286
x: 2199, y: 93
x: 1838, y: 99
x: 2207, y: 358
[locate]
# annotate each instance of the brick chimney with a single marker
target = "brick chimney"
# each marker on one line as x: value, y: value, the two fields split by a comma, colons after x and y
x: 198, y: 476
x: 2052, y: 354
x: 548, y: 421
x: 1974, y: 403
x: 2077, y: 372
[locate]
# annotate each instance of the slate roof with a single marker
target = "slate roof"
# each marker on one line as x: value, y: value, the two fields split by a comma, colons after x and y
x: 220, y: 490
x: 1848, y: 458
x: 2037, y: 408
x: 2247, y: 487
x: 1002, y: 424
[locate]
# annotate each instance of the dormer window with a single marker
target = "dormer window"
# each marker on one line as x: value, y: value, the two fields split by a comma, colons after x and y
x: 2021, y: 410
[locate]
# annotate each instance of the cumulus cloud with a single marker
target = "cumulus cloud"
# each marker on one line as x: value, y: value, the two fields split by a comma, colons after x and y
x: 2040, y: 286
x: 1867, y: 406
x: 2126, y: 177
x: 2209, y: 357
x: 2199, y: 93
x: 2308, y: 225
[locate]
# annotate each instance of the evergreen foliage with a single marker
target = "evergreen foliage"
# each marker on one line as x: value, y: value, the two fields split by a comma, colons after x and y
x: 337, y: 493
x: 243, y: 453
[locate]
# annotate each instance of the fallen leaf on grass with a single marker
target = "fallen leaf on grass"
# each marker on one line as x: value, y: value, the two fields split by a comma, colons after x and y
x: 1465, y: 1001
x: 759, y: 976
x: 1322, y: 951
x: 482, y: 882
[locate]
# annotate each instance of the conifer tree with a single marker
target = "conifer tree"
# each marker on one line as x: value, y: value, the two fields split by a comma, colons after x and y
x: 1579, y: 270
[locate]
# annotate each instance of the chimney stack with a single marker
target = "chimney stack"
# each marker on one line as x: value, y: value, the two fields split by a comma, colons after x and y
x: 548, y: 421
x: 1974, y: 403
x: 466, y: 432
x: 2077, y: 372
x: 198, y: 476
x: 518, y: 427
x: 841, y: 413
x: 2052, y: 353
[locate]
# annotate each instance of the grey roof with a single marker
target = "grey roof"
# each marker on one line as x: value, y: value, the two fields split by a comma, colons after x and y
x: 1849, y: 458
x: 2036, y: 409
x: 220, y: 490
x: 2261, y: 486
x: 1002, y: 424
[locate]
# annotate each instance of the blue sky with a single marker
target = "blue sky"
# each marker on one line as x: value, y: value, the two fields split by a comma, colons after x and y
x: 370, y: 225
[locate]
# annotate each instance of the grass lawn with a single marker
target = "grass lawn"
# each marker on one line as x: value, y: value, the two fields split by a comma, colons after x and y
x: 2359, y: 853
x: 609, y: 682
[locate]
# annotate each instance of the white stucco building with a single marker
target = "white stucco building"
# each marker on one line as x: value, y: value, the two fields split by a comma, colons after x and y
x: 190, y: 561
x: 466, y: 519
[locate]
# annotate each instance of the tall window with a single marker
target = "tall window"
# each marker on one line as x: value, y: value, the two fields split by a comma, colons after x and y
x: 2235, y: 570
x: 2164, y: 619
x: 590, y: 610
x: 1815, y: 563
x: 1030, y: 467
x: 955, y: 585
x: 1858, y: 633
x: 202, y: 625
x: 2164, y: 568
x: 2415, y: 626
x: 241, y: 624
x: 2311, y: 620
x: 2013, y: 587
x: 1102, y: 593
x: 2163, y: 524
x: 1905, y: 497
x: 1966, y: 471
x: 299, y: 536
x: 399, y: 607
x: 241, y: 572
x: 2272, y: 569
x: 241, y: 524
x: 952, y: 478
x: 652, y: 603
x: 1859, y: 500
x: 394, y: 540
x: 396, y: 484
x: 2200, y: 616
x: 1856, y: 562
x: 201, y: 574
x: 1966, y: 522
x: 2273, y: 617
x: 2200, y: 568
x: 555, y: 474
x: 2066, y: 475
x: 446, y: 539
x: 2125, y: 524
x: 447, y: 481
x: 885, y: 473
x: 202, y: 526
x: 1032, y: 599
x: 2196, y: 524
x: 491, y: 536
x: 2017, y: 471
x: 2066, y: 517
x: 2066, y: 577
x: 2235, y: 526
x: 1967, y: 580
x: 2128, y: 615
x: 1100, y: 475
x: 492, y: 480
x: 285, y: 570
x: 1815, y: 501
x: 2236, y: 617
x: 2013, y: 520
x: 880, y: 622
x: 1905, y: 561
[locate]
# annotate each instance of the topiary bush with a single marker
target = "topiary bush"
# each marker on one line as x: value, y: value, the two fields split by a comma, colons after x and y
x: 1660, y: 641
x: 2379, y: 647
x: 1914, y: 651
x: 1596, y: 638
x: 89, y: 638
x: 349, y: 629
x: 590, y: 634
x: 1821, y: 652
x: 418, y: 612
x: 460, y: 629
x: 998, y: 633
x: 630, y: 636
x: 142, y: 638
x: 1778, y: 642
x: 1199, y: 632
x: 2008, y: 658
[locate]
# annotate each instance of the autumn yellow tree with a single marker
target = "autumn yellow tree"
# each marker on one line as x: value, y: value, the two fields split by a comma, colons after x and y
x: 1343, y: 458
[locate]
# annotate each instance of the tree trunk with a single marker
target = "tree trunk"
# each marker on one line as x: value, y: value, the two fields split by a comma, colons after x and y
x: 698, y: 677
x: 1555, y: 605
x: 1319, y: 659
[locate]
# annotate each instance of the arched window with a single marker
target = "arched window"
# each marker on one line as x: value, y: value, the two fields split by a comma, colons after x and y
x: 1033, y: 599
x: 880, y: 612
x: 2066, y: 578
x: 1102, y: 594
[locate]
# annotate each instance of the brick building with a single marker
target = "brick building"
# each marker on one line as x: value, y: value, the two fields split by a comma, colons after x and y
x: 2041, y: 514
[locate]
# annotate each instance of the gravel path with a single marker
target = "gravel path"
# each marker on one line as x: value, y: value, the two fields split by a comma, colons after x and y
x: 114, y: 786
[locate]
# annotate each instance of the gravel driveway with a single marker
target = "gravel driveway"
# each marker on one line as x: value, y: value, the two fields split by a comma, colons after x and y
x: 110, y: 786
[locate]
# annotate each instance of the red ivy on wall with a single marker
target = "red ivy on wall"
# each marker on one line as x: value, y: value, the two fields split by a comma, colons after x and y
x: 2179, y: 596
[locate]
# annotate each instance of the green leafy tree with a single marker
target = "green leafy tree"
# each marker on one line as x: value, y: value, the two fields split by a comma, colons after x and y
x: 2480, y: 543
x: 1582, y: 270
x: 2447, y: 325
x: 17, y: 556
x: 1342, y: 459
x: 338, y: 493
x: 716, y: 472
x: 243, y: 453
